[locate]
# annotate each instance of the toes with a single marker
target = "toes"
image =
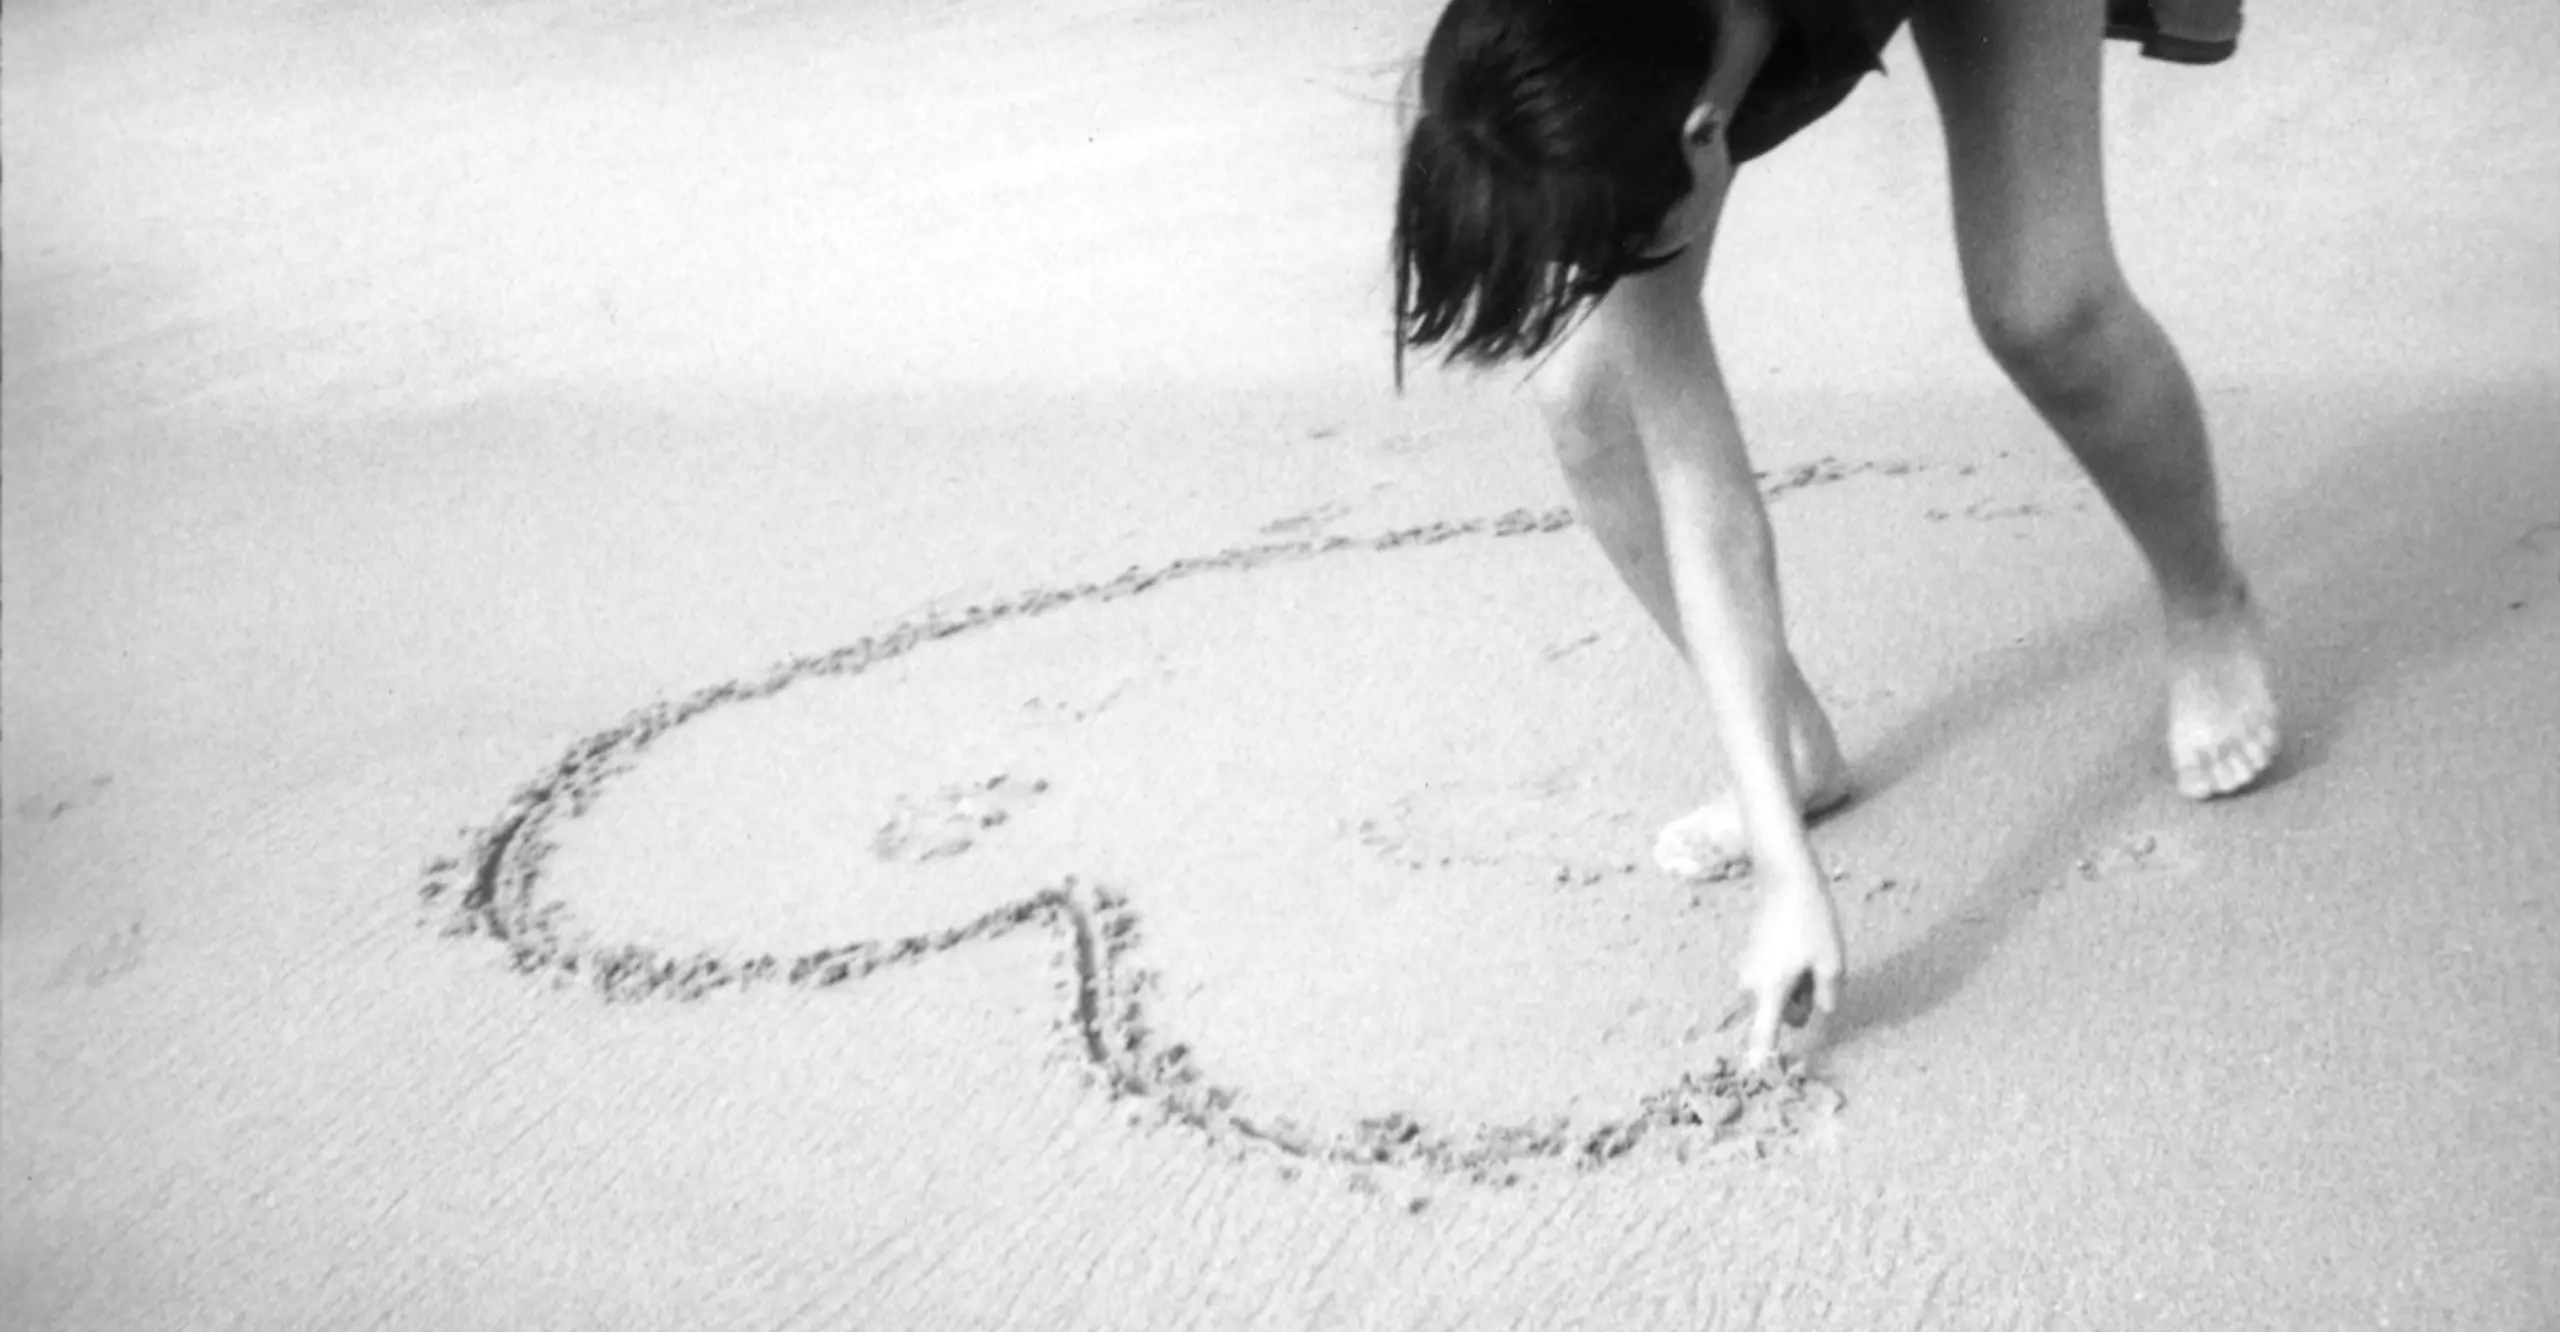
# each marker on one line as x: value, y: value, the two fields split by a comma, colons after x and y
x: 2222, y: 731
x: 1704, y: 843
x: 2252, y: 754
x: 2230, y: 765
x: 1710, y: 842
x: 2206, y: 771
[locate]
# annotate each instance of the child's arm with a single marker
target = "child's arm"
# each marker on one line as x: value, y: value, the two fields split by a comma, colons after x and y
x: 1723, y: 565
x: 1744, y: 32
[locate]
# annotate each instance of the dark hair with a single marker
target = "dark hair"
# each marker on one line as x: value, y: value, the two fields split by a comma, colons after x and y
x: 1545, y: 154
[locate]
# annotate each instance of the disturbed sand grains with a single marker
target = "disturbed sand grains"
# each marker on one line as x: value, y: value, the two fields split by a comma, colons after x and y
x: 491, y: 891
x: 948, y: 821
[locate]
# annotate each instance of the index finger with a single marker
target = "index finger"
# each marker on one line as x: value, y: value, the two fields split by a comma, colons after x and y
x: 1767, y: 1010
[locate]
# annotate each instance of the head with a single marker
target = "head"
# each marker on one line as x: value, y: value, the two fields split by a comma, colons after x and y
x: 1546, y: 153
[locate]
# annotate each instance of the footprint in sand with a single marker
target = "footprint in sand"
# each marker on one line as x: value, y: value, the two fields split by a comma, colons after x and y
x: 102, y: 959
x: 46, y: 806
x: 1552, y: 827
x: 1563, y: 648
x: 1078, y: 704
x: 2133, y: 853
x: 1067, y: 711
x: 950, y: 820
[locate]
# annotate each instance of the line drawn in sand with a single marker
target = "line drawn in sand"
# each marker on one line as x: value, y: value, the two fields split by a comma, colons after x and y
x: 491, y: 890
x: 1312, y: 519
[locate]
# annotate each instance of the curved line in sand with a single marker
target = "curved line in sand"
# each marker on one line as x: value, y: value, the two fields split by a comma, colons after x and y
x: 490, y: 891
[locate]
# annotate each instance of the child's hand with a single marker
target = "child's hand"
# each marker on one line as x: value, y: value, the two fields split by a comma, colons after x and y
x: 1692, y: 221
x: 1705, y: 126
x: 1795, y: 947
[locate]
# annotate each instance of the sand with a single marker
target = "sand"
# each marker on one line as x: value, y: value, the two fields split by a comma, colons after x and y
x: 1025, y: 788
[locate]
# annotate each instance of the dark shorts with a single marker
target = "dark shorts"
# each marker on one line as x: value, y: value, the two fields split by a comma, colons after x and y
x: 1824, y: 47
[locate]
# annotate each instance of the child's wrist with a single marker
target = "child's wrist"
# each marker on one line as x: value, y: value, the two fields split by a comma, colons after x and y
x: 1790, y: 874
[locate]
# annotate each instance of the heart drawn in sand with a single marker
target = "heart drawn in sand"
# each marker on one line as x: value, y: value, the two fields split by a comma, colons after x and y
x: 492, y: 890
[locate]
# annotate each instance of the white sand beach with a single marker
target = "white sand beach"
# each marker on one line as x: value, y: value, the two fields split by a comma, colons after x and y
x: 714, y: 492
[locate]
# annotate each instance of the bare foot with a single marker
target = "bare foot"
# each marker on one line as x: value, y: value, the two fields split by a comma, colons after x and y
x: 2222, y: 719
x: 1710, y: 842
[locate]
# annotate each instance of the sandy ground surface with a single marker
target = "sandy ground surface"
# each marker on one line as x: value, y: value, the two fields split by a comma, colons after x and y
x: 401, y: 401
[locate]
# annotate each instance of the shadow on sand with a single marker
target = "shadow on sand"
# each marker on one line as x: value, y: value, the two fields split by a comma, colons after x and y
x: 2395, y: 555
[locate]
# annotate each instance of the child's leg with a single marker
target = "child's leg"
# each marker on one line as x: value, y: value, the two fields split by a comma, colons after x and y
x: 2017, y: 88
x: 1604, y: 466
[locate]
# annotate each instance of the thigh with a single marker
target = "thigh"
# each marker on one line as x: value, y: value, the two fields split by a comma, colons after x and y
x: 2017, y: 86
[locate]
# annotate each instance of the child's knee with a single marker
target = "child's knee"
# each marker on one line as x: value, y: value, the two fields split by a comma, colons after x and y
x: 2058, y: 343
x: 1576, y: 403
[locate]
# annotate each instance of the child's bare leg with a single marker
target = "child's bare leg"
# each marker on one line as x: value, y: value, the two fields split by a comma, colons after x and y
x: 1604, y: 466
x: 2017, y: 86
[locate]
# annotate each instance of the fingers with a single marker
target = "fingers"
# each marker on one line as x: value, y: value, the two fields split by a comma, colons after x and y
x: 1768, y: 1009
x: 1813, y: 991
